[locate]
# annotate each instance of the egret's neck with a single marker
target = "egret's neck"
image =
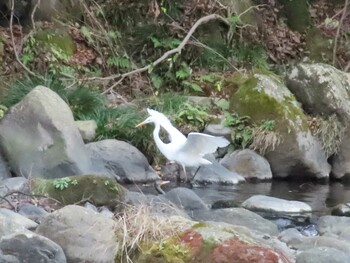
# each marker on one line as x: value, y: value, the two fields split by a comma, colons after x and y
x: 160, y: 144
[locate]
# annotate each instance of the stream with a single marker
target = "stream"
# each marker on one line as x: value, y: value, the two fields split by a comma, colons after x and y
x: 322, y: 197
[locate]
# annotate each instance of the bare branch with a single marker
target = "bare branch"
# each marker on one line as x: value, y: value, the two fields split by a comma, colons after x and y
x: 338, y: 31
x: 176, y: 50
x: 14, y: 44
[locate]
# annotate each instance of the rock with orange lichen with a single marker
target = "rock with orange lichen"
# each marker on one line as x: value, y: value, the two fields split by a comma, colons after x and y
x: 218, y: 243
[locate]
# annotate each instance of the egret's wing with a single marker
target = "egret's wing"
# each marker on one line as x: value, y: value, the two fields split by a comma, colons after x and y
x: 201, y: 144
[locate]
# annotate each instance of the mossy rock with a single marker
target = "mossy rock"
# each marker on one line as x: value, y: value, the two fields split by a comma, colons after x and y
x: 265, y: 97
x: 75, y: 189
x: 211, y: 241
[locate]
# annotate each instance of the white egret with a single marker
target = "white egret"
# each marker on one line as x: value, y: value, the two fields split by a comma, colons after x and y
x: 185, y: 151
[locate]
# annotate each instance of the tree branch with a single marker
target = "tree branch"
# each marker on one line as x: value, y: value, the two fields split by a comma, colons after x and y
x: 14, y: 44
x: 338, y: 32
x: 176, y: 50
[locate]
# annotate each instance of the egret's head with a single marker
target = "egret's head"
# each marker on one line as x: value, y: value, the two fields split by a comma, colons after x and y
x: 155, y: 117
x: 150, y: 119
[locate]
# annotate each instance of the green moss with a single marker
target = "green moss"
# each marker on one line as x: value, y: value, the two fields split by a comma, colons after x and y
x: 59, y: 40
x: 170, y: 251
x: 97, y: 189
x: 199, y: 225
x: 253, y: 99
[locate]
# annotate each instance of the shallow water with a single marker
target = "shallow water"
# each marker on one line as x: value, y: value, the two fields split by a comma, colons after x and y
x: 321, y: 197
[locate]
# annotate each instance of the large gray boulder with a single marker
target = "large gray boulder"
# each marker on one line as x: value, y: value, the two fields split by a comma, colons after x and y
x: 299, y: 153
x: 84, y: 235
x: 248, y: 163
x: 31, y: 247
x: 121, y: 160
x: 324, y: 90
x: 40, y: 139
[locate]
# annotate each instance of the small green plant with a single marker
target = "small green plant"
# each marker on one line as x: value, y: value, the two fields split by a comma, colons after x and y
x: 192, y: 114
x: 242, y: 133
x: 64, y: 183
x: 3, y: 109
x: 267, y: 125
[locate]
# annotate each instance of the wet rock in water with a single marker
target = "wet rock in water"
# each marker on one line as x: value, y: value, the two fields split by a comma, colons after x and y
x: 40, y: 139
x: 225, y: 204
x: 247, y: 163
x: 273, y: 204
x: 324, y: 90
x: 296, y: 152
x: 291, y: 236
x: 122, y: 161
x: 99, y: 190
x: 332, y: 225
x: 186, y: 199
x: 214, y: 173
x: 33, y: 212
x: 8, y: 215
x: 237, y: 216
x: 31, y: 247
x: 4, y: 168
x: 14, y: 184
x: 158, y: 205
x: 87, y: 129
x: 323, y: 255
x: 84, y: 235
x: 341, y: 210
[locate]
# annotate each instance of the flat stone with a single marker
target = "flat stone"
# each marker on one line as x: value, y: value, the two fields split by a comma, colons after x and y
x: 273, y: 204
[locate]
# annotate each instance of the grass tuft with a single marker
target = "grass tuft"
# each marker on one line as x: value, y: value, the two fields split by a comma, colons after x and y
x: 264, y: 140
x: 137, y: 226
x: 330, y: 131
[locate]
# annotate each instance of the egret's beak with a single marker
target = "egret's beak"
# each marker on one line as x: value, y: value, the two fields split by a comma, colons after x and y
x: 163, y: 182
x: 141, y: 124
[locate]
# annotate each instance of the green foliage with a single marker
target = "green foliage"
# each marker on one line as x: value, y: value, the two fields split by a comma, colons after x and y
x: 268, y: 125
x: 3, y: 109
x: 242, y: 133
x: 82, y: 100
x: 192, y: 114
x: 64, y: 183
x: 250, y: 56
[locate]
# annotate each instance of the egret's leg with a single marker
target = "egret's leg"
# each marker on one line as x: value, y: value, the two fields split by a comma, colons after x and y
x: 196, y: 172
x: 183, y: 167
